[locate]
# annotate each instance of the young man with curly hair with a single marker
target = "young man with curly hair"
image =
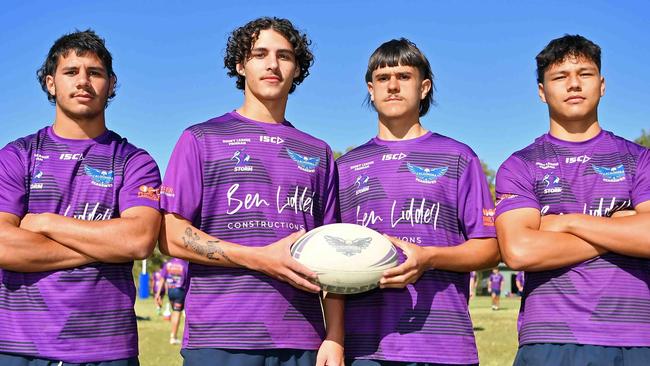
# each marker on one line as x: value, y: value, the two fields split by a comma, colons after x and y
x: 573, y: 212
x: 78, y: 203
x: 238, y: 191
x: 429, y: 193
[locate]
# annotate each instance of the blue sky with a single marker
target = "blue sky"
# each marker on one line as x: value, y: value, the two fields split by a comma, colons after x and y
x: 168, y: 56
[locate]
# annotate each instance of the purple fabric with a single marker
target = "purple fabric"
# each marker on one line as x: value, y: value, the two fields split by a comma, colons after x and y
x: 157, y: 276
x: 174, y: 271
x: 602, y: 301
x: 495, y: 281
x: 83, y: 314
x: 472, y: 274
x: 430, y: 191
x: 520, y: 277
x: 251, y: 183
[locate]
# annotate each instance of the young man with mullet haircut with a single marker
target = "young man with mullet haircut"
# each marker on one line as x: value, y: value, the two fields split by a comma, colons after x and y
x: 239, y: 190
x: 78, y: 203
x: 429, y: 193
x: 573, y: 211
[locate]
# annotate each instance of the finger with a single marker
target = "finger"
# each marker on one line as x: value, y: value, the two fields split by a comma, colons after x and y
x: 396, y: 271
x: 397, y: 242
x: 401, y: 280
x: 300, y: 269
x: 291, y: 238
x: 320, y: 360
x: 301, y: 283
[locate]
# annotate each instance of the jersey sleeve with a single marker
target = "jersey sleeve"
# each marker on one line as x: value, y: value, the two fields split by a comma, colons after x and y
x: 330, y: 195
x: 641, y: 187
x: 182, y: 189
x: 515, y: 187
x: 475, y: 205
x: 141, y: 182
x: 13, y: 189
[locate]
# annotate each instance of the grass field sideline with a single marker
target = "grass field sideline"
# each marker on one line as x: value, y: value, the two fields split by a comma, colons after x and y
x: 496, y: 333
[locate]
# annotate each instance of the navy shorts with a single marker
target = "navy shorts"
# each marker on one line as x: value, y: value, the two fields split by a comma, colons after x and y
x: 237, y: 357
x: 177, y: 298
x: 543, y: 354
x: 397, y: 363
x: 7, y: 359
x: 496, y: 292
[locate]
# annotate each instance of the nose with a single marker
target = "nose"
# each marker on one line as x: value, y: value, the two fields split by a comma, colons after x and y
x: 83, y: 78
x: 272, y: 62
x: 574, y: 83
x: 393, y: 84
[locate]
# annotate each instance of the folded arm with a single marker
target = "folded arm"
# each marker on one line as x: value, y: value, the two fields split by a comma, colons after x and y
x: 131, y: 236
x: 524, y: 247
x: 22, y: 250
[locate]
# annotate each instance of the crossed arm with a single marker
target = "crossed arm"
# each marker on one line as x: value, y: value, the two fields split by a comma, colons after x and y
x: 43, y: 242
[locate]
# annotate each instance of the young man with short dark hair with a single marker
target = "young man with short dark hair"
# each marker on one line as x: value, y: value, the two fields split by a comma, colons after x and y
x: 572, y: 211
x: 78, y: 203
x: 430, y: 194
x: 239, y: 190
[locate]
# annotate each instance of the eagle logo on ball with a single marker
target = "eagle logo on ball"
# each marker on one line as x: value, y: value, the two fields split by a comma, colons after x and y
x: 348, y: 248
x: 305, y: 163
x: 427, y: 175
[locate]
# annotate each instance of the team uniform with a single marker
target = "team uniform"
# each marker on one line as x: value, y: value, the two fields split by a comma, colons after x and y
x: 174, y: 271
x: 604, y: 301
x: 83, y: 314
x: 521, y: 279
x: 251, y: 183
x: 495, y: 283
x: 430, y: 191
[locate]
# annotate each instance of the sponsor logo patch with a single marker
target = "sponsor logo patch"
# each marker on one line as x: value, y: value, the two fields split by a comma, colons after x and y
x: 149, y: 193
x: 577, y: 159
x: 615, y: 174
x: 488, y: 217
x: 98, y: 177
x: 505, y: 196
x: 271, y: 139
x: 398, y: 156
x: 36, y: 179
x: 547, y: 165
x: 305, y: 163
x: 167, y: 191
x: 552, y: 183
x: 427, y: 175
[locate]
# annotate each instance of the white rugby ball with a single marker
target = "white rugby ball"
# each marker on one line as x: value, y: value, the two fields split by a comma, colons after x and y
x: 348, y: 258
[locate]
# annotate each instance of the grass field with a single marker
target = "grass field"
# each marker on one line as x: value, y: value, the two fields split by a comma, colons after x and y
x: 496, y: 333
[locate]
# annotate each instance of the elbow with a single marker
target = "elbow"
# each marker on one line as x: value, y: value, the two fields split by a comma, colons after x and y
x: 515, y: 256
x: 142, y: 248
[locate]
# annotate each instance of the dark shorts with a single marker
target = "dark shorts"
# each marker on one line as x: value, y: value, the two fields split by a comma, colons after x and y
x: 177, y: 298
x: 543, y: 354
x: 236, y: 357
x: 7, y: 359
x: 496, y: 292
x: 397, y: 363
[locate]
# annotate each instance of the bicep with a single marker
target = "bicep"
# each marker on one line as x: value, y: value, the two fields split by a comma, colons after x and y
x: 514, y: 225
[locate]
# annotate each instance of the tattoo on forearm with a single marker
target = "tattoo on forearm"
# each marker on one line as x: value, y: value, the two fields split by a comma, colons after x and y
x: 193, y: 241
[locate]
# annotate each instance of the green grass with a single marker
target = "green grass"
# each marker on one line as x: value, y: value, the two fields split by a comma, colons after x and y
x: 496, y: 333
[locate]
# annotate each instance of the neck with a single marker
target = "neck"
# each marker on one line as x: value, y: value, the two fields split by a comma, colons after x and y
x: 575, y: 131
x: 269, y: 111
x: 393, y: 129
x: 78, y: 128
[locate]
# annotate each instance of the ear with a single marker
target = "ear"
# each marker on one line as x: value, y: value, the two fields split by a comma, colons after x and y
x: 540, y: 92
x: 49, y: 83
x: 425, y: 88
x: 111, y: 85
x: 371, y: 91
x: 602, y: 86
x: 240, y: 70
x: 296, y: 73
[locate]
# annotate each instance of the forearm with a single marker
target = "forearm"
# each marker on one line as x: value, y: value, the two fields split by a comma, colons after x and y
x: 24, y: 251
x: 629, y: 235
x: 534, y: 250
x: 473, y: 254
x: 334, y: 307
x: 112, y: 241
x: 189, y: 243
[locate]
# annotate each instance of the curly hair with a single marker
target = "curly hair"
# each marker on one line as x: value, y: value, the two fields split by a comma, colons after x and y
x: 81, y: 42
x: 568, y: 46
x: 402, y: 52
x: 242, y: 39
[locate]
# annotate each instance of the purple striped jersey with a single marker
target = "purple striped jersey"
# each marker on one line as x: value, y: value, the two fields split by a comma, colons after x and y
x: 430, y: 191
x: 251, y: 183
x: 602, y: 301
x: 82, y: 314
x: 174, y: 271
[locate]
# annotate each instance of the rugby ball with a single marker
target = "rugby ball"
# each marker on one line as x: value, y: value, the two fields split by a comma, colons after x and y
x: 348, y: 258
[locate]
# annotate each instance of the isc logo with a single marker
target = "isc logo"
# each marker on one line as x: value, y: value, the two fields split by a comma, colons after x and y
x: 578, y: 159
x: 399, y: 156
x: 71, y: 157
x: 271, y: 139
